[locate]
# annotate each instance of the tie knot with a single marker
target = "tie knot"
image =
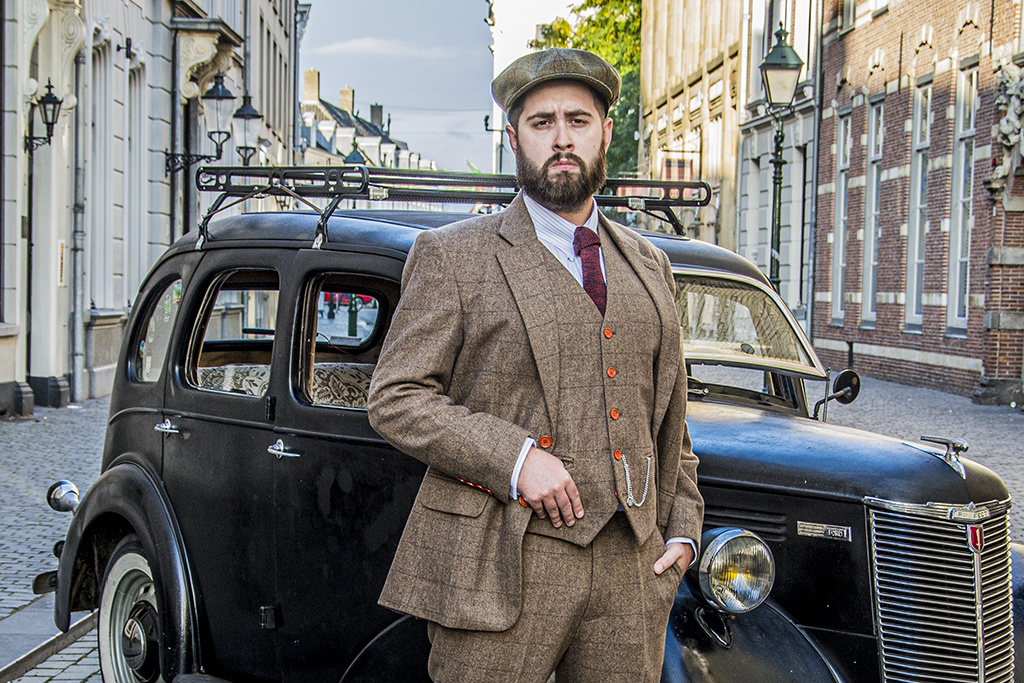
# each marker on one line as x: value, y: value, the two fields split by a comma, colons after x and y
x: 585, y: 237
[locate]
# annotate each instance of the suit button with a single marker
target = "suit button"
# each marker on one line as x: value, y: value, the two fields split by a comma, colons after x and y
x: 522, y: 501
x: 607, y: 333
x: 616, y: 494
x: 617, y: 454
x: 611, y: 372
x: 614, y: 413
x: 544, y: 441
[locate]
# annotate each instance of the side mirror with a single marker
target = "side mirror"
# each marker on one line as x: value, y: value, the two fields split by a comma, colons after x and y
x: 845, y: 388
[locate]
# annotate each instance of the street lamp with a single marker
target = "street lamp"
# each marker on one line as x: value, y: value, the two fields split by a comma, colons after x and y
x: 246, y: 127
x: 217, y: 112
x: 49, y: 110
x: 780, y: 73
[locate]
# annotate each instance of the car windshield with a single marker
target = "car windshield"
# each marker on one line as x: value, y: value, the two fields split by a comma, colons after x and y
x: 738, y: 324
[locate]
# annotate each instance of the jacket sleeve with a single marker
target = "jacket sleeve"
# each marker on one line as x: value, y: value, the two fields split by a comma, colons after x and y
x: 409, y: 402
x: 685, y: 514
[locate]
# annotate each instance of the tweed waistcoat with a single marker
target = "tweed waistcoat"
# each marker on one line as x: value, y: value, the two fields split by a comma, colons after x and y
x: 610, y: 373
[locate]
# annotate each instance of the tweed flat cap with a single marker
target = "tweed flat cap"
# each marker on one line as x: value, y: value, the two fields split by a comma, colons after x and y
x: 557, y: 63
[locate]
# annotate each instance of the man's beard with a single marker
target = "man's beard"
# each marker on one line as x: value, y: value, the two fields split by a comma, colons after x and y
x: 566, y: 191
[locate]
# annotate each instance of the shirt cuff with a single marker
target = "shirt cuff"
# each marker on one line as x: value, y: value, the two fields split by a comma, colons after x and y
x: 680, y: 539
x: 513, y: 492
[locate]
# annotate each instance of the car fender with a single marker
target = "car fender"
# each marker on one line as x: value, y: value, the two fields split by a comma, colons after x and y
x: 702, y: 644
x: 380, y: 661
x: 125, y: 499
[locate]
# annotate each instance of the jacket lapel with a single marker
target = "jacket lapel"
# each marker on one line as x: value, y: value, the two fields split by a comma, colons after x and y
x: 523, y: 265
x: 650, y: 273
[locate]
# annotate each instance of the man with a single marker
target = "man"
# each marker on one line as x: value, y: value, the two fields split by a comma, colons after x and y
x: 537, y: 361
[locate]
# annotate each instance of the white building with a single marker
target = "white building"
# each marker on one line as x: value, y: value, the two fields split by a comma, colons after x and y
x: 514, y: 23
x: 83, y: 218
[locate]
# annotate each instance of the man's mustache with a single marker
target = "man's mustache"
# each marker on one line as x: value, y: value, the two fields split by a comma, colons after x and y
x: 564, y: 156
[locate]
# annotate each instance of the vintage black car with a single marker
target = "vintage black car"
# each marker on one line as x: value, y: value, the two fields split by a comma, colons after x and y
x: 247, y: 514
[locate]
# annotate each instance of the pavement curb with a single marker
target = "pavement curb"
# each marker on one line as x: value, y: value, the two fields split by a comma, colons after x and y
x: 30, y: 660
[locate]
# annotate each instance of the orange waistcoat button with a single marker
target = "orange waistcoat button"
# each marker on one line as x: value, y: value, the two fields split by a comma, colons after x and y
x: 544, y: 441
x: 614, y: 413
x: 617, y: 454
x: 611, y: 372
x: 607, y: 333
x: 522, y: 501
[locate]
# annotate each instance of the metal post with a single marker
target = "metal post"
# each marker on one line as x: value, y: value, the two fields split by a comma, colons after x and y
x: 777, y: 162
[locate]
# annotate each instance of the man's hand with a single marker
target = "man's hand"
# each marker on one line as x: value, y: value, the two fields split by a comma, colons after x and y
x: 548, y: 488
x: 680, y: 553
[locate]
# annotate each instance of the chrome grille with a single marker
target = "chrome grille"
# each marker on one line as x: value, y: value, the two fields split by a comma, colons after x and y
x: 944, y: 612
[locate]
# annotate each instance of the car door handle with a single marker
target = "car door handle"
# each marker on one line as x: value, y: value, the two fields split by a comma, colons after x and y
x: 166, y: 427
x: 280, y: 451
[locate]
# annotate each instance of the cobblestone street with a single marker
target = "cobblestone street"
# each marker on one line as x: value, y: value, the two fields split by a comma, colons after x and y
x: 67, y: 443
x: 52, y: 444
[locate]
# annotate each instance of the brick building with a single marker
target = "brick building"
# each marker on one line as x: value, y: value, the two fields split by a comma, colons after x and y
x: 919, y: 265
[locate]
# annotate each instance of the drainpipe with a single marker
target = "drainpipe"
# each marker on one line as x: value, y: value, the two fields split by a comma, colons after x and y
x: 78, y: 246
x: 175, y: 106
x: 812, y: 247
x: 29, y: 217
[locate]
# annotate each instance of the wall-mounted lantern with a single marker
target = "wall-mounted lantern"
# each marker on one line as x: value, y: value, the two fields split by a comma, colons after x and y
x: 217, y: 104
x: 49, y: 111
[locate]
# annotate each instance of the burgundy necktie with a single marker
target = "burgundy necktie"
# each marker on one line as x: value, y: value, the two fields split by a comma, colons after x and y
x: 588, y: 247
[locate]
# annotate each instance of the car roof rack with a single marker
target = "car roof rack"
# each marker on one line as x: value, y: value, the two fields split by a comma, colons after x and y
x: 336, y: 183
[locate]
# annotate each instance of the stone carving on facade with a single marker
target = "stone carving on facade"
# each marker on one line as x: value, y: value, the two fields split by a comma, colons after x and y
x: 200, y: 57
x: 36, y: 12
x: 68, y: 19
x: 1010, y: 101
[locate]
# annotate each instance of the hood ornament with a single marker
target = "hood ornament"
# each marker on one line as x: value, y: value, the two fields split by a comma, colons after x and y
x: 954, y: 447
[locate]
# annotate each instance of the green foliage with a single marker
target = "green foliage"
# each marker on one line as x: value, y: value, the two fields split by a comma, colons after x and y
x: 611, y: 29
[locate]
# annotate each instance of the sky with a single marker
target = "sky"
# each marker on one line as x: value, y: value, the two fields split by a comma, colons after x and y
x: 426, y: 61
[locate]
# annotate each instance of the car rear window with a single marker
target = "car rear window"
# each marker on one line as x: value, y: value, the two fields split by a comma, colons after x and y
x: 151, y: 348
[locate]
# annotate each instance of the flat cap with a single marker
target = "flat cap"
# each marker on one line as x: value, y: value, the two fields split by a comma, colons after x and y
x: 557, y: 63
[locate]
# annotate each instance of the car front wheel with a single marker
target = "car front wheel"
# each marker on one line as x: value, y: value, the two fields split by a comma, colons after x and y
x: 129, y: 630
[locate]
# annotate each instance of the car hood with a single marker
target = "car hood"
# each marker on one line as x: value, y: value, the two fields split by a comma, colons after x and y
x: 751, y: 448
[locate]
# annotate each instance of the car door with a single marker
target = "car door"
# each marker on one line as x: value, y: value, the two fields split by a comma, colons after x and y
x: 343, y: 501
x: 136, y: 422
x: 219, y: 460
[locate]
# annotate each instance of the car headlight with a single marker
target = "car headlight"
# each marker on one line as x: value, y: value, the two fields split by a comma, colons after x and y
x: 736, y: 569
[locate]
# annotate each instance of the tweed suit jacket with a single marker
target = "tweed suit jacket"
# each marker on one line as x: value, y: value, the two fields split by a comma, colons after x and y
x: 469, y: 370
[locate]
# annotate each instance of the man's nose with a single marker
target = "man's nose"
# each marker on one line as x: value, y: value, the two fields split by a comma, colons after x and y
x: 563, y: 140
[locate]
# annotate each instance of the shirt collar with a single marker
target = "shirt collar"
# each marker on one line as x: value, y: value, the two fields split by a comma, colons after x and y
x: 552, y: 228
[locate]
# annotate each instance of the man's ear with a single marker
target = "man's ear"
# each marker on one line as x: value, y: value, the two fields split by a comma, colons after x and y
x: 513, y: 142
x: 607, y: 132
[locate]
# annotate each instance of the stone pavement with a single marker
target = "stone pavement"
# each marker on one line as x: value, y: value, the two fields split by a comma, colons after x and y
x: 67, y: 443
x: 35, y: 451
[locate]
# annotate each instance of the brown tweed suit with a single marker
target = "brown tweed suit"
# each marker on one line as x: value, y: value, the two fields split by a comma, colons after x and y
x: 470, y: 369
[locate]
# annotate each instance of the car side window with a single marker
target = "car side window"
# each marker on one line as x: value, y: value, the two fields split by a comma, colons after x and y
x: 347, y: 320
x: 235, y: 343
x: 151, y: 347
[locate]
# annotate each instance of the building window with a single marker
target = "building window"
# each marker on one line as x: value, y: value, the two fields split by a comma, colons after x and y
x: 99, y: 171
x: 873, y: 210
x: 961, y: 202
x: 848, y: 14
x: 918, y: 227
x: 843, y: 140
x: 136, y: 233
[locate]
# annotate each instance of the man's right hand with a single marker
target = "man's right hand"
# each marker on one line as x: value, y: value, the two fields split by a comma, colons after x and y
x: 548, y: 488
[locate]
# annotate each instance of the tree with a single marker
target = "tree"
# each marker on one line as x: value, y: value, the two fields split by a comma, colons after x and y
x: 611, y: 29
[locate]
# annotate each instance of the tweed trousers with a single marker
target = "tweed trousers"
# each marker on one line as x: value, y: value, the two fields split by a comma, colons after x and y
x: 590, y: 614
